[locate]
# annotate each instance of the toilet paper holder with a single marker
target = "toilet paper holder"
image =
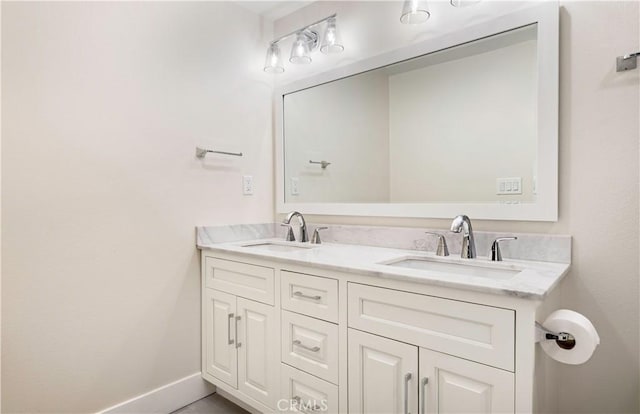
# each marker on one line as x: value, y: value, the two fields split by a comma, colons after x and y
x: 563, y: 339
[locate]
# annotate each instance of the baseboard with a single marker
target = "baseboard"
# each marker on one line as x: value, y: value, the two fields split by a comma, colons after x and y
x: 166, y: 399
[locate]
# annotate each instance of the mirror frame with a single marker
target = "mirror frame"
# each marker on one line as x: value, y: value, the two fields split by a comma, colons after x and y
x: 546, y: 15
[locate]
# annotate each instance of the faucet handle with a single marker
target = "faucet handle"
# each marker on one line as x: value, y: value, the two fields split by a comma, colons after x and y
x: 315, y: 239
x: 442, y: 249
x: 496, y: 254
x: 290, y: 236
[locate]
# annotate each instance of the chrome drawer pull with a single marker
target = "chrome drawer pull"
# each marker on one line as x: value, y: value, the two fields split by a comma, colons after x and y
x: 423, y: 401
x: 229, y: 329
x: 238, y: 344
x: 297, y: 399
x: 303, y: 346
x: 407, y: 378
x: 302, y: 295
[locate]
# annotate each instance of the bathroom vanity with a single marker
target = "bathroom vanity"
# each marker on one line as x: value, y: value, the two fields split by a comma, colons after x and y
x: 352, y: 328
x: 348, y: 327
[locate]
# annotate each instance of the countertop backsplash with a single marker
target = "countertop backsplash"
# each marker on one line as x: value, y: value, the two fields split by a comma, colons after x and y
x: 529, y: 246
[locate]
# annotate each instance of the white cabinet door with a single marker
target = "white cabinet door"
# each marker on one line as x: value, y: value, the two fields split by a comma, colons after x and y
x: 258, y: 351
x: 383, y: 375
x: 221, y: 357
x: 456, y: 385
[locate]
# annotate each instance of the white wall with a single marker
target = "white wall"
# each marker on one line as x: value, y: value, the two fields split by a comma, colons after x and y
x: 0, y: 211
x: 599, y: 132
x: 103, y: 104
x: 457, y: 126
x: 599, y: 171
x: 351, y: 131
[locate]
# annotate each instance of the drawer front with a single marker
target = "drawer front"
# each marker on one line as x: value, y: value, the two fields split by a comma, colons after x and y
x: 302, y: 392
x: 310, y: 345
x: 311, y: 295
x: 241, y: 279
x: 476, y: 332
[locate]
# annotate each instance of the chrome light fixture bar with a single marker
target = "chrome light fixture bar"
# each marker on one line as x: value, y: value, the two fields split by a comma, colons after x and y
x: 306, y: 41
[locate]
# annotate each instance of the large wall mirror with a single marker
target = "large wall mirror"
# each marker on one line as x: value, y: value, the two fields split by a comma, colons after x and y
x: 465, y: 123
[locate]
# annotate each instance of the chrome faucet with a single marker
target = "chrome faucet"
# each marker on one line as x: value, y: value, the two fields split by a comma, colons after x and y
x: 442, y: 249
x: 304, y: 236
x: 496, y: 254
x: 462, y: 224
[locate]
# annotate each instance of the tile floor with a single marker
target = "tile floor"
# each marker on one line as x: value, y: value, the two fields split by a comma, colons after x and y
x: 213, y: 404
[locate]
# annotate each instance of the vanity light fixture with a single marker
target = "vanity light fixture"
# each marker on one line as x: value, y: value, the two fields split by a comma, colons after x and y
x: 463, y: 3
x: 306, y: 41
x: 417, y: 11
x: 414, y: 12
x: 331, y: 42
x: 273, y: 62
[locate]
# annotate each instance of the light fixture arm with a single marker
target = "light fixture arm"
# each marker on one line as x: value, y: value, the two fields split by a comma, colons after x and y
x: 303, y: 29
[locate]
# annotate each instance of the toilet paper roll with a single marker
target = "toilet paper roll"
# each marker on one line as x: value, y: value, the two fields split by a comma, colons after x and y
x: 580, y: 327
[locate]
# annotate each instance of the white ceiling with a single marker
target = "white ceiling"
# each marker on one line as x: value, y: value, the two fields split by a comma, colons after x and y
x: 273, y: 9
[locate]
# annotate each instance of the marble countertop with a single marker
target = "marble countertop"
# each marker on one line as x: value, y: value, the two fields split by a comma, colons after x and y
x: 534, y: 279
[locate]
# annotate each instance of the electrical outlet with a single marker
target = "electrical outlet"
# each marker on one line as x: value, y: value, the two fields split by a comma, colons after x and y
x: 247, y: 184
x: 509, y: 186
x: 295, y: 186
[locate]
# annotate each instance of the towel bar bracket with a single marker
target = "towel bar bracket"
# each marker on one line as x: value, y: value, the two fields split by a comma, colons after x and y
x: 627, y: 62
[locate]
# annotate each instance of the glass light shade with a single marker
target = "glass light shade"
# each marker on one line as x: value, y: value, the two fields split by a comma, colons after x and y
x: 414, y: 12
x: 273, y: 62
x: 300, y: 50
x: 463, y: 3
x: 331, y: 42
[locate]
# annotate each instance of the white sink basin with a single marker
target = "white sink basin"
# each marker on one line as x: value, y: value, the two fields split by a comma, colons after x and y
x: 477, y: 269
x: 279, y: 246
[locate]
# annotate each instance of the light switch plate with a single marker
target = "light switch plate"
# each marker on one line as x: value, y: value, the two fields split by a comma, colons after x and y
x: 295, y: 186
x: 247, y: 185
x: 509, y: 186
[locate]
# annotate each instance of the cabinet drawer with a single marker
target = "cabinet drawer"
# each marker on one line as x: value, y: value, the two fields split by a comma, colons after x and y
x: 310, y: 345
x: 480, y: 333
x: 241, y: 279
x: 303, y: 392
x: 311, y: 295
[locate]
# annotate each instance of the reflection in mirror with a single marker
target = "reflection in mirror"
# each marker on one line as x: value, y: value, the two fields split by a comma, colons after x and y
x: 455, y: 126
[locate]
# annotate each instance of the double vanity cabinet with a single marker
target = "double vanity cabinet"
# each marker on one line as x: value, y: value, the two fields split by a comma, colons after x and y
x: 304, y: 331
